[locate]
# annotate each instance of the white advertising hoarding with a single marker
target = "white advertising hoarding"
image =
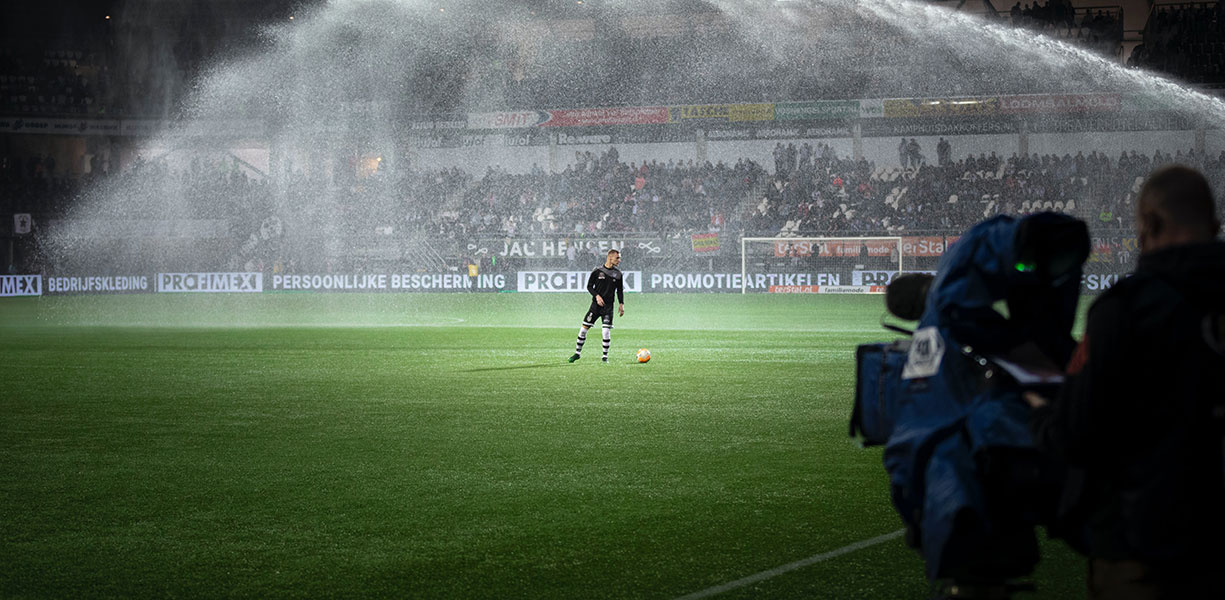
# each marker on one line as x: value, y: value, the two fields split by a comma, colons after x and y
x: 570, y: 281
x: 210, y: 282
x: 21, y: 285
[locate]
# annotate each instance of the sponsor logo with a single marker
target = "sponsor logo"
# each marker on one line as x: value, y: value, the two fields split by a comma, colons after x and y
x: 1060, y: 103
x: 827, y: 289
x: 911, y: 246
x: 942, y: 127
x: 570, y: 281
x: 425, y: 141
x: 567, y: 140
x: 870, y: 109
x: 723, y: 112
x: 842, y: 248
x: 21, y: 285
x: 729, y: 134
x: 505, y: 120
x: 210, y: 282
x: 24, y: 125
x: 552, y: 247
x: 926, y: 352
x: 751, y: 112
x: 1138, y: 122
x: 923, y: 246
x: 777, y: 133
x: 827, y: 132
x: 522, y: 139
x: 845, y: 109
x: 637, y: 115
x: 469, y: 141
x: 879, y: 277
x: 940, y: 107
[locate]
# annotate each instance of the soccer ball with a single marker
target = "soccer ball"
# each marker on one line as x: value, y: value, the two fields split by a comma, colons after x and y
x: 644, y: 355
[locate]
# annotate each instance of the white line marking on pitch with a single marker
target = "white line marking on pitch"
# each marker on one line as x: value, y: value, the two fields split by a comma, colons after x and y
x: 799, y: 564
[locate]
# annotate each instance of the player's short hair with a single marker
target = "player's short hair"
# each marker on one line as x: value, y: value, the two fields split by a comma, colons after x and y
x: 1178, y: 197
x: 614, y: 251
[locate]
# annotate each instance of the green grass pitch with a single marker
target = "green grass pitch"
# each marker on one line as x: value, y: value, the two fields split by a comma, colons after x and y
x: 439, y: 446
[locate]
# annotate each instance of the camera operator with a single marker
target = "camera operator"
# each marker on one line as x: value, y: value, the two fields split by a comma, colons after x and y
x: 1139, y: 418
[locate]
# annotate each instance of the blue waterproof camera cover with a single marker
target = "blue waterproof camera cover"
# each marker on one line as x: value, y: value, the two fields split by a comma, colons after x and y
x: 964, y: 474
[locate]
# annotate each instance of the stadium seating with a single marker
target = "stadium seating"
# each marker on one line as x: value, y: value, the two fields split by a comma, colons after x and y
x: 1184, y: 40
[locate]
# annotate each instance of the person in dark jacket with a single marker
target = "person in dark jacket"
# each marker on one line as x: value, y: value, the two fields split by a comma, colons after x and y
x: 1139, y: 418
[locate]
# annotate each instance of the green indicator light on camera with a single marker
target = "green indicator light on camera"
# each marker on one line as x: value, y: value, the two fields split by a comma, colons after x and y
x: 1025, y: 267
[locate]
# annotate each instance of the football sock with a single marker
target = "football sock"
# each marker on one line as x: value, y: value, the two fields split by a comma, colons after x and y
x: 607, y: 340
x: 582, y: 337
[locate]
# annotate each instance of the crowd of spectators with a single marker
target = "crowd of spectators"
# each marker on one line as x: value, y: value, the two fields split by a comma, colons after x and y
x: 830, y: 195
x: 1185, y: 41
x: 811, y: 191
x: 32, y: 184
x: 597, y: 193
x: 134, y: 69
x: 1100, y: 30
x: 810, y: 186
x: 57, y: 82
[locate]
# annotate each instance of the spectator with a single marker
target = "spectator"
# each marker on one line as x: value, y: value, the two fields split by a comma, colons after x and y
x: 914, y: 153
x: 1141, y: 416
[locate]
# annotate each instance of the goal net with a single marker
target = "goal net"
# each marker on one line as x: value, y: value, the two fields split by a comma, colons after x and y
x: 819, y: 265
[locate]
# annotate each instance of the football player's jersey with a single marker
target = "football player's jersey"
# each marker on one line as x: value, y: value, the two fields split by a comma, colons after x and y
x: 606, y: 283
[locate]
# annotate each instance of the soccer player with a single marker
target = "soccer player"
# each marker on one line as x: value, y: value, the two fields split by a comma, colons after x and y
x: 603, y: 284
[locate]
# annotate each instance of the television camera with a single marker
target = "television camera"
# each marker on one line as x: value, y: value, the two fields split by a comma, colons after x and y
x: 946, y: 402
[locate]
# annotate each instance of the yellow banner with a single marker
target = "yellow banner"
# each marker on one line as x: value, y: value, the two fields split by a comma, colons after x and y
x: 751, y: 112
x: 941, y: 107
x: 722, y: 112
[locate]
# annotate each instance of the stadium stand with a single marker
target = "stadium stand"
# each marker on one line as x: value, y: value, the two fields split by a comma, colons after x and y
x: 813, y: 192
x: 810, y: 190
x: 1186, y: 41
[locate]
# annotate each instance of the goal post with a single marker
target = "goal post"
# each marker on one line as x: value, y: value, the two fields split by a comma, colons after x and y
x: 829, y: 265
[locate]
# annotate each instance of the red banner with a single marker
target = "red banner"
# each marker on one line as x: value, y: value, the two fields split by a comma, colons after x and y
x: 923, y: 245
x: 632, y: 115
x: 827, y: 289
x: 1066, y: 103
x: 848, y: 248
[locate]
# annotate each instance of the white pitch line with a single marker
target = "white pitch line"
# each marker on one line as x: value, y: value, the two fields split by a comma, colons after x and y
x: 799, y: 564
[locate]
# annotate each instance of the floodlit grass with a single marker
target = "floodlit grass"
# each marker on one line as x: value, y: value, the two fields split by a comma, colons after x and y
x: 440, y: 446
